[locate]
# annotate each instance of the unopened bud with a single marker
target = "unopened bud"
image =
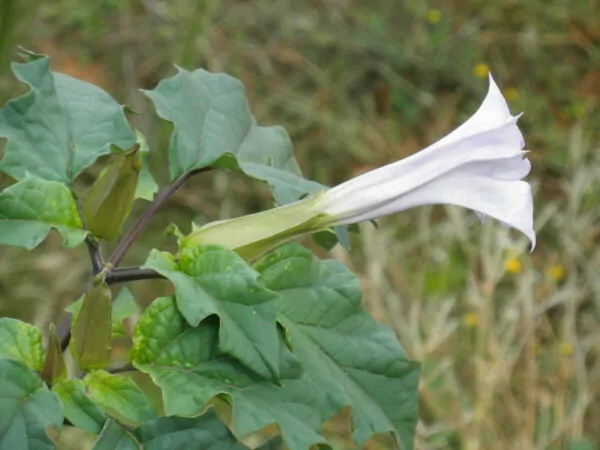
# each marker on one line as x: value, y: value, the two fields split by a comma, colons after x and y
x: 54, y: 368
x: 91, y: 329
x: 109, y: 202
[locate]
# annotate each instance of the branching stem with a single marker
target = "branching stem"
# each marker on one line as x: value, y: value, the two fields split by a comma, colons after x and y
x: 120, y: 275
x: 96, y: 257
x: 126, y: 274
x: 158, y: 202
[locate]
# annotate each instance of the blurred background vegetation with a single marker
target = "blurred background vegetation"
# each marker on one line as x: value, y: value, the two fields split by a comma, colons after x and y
x: 509, y: 341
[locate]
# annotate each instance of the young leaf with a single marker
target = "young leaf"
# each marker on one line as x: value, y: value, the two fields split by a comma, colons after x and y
x: 28, y: 409
x: 60, y: 127
x: 185, y: 362
x: 119, y: 397
x: 108, y: 204
x: 350, y: 359
x: 199, y: 433
x: 91, y: 329
x: 115, y: 437
x: 79, y: 409
x: 31, y: 207
x: 54, y: 368
x: 22, y: 342
x: 214, y: 127
x: 123, y: 307
x: 211, y: 280
x: 147, y: 186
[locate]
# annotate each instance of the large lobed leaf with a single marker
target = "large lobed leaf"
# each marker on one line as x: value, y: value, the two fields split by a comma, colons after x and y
x: 212, y: 280
x: 214, y: 127
x: 349, y: 358
x: 186, y: 363
x: 200, y: 433
x: 32, y: 207
x: 54, y: 132
x: 60, y: 127
x: 28, y: 409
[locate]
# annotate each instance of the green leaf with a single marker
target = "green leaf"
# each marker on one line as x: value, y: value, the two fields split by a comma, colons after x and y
x: 212, y: 280
x: 28, y: 409
x: 214, y: 127
x: 22, y: 342
x: 275, y: 443
x: 123, y: 307
x: 79, y: 409
x: 55, y: 368
x: 31, y: 207
x: 115, y: 437
x: 119, y: 397
x: 185, y: 362
x: 351, y: 359
x: 147, y: 186
x: 199, y: 433
x: 60, y: 127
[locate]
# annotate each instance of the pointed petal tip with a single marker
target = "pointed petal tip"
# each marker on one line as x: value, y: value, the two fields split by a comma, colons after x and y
x: 493, y: 86
x: 532, y: 238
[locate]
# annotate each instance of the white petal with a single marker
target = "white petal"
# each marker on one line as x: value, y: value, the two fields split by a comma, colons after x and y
x: 508, y: 201
x: 479, y: 166
x: 490, y: 133
x: 392, y: 181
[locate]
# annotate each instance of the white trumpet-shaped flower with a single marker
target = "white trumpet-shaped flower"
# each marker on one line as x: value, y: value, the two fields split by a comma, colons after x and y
x: 479, y: 166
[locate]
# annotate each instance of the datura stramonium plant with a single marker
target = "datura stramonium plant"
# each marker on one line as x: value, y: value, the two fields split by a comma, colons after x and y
x: 479, y: 166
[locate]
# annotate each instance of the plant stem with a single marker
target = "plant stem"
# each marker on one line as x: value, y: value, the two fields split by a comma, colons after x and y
x: 159, y: 201
x: 96, y: 257
x: 121, y: 369
x: 125, y: 274
x: 114, y: 370
x: 63, y: 330
x: 120, y: 275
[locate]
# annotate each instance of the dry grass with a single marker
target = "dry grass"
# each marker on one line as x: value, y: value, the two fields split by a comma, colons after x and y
x: 511, y: 354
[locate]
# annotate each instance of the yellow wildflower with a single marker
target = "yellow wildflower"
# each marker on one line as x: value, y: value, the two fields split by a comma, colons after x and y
x: 513, y: 265
x: 565, y: 349
x: 556, y: 272
x: 511, y: 94
x: 434, y: 16
x: 471, y: 319
x: 481, y: 70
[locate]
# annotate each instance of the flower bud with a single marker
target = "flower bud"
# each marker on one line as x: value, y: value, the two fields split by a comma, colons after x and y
x: 54, y: 368
x: 91, y: 328
x: 110, y: 199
